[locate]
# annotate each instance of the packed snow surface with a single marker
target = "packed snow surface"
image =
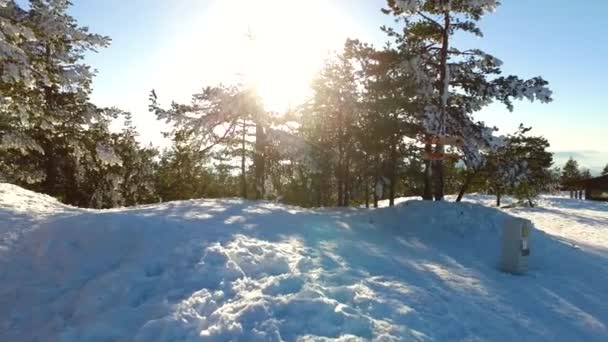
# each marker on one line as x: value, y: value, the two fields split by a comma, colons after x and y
x: 234, y: 270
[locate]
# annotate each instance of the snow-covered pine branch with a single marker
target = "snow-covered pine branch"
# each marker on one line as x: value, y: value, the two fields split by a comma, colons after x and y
x: 211, y: 116
x: 471, y: 7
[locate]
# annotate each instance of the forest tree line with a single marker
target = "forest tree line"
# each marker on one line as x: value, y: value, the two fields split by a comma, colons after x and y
x: 379, y: 123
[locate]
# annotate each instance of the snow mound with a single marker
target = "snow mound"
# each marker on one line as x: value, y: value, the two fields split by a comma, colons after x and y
x: 219, y: 270
x: 18, y: 200
x: 22, y: 210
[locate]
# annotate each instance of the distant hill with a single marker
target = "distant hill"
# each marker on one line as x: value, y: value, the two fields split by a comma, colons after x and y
x: 593, y: 160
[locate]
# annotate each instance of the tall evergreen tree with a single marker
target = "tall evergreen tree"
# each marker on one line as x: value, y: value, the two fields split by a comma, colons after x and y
x: 138, y: 166
x: 48, y: 118
x: 222, y: 115
x: 18, y: 76
x: 570, y: 175
x: 181, y: 172
x: 388, y: 106
x: 329, y: 123
x: 455, y: 83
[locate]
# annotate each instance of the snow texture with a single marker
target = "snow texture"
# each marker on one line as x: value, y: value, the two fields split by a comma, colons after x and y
x: 234, y: 270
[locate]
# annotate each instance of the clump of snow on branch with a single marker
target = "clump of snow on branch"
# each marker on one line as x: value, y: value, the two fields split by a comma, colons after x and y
x: 511, y: 88
x: 416, y: 69
x: 431, y: 120
x: 514, y: 172
x: 486, y: 5
x: 408, y: 6
x: 21, y: 142
x: 412, y: 6
x: 16, y: 64
x: 479, y: 140
x: 107, y: 155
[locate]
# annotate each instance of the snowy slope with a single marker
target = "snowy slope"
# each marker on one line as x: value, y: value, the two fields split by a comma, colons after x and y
x: 237, y: 270
x: 576, y: 221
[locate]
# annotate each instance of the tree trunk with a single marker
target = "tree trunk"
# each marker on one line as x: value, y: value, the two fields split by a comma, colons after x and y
x: 428, y: 176
x: 366, y: 182
x: 259, y: 160
x: 340, y: 166
x: 393, y: 174
x: 49, y: 185
x: 340, y: 186
x: 340, y: 174
x: 49, y: 164
x: 443, y: 93
x: 347, y: 182
x: 376, y: 180
x: 319, y: 192
x: 530, y: 202
x: 498, y: 199
x: 465, y: 186
x: 50, y: 182
x: 366, y: 185
x: 439, y: 178
x: 243, y: 161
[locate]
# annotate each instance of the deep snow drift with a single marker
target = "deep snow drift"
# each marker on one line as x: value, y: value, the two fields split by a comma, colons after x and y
x: 238, y: 270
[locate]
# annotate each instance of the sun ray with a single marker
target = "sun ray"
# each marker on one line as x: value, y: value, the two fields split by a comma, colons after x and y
x: 290, y: 40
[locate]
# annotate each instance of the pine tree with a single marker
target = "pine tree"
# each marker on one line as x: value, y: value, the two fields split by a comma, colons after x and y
x: 329, y: 124
x: 387, y: 114
x: 182, y: 173
x: 96, y: 173
x: 138, y: 166
x: 48, y: 115
x: 605, y: 170
x: 412, y: 175
x: 222, y: 115
x: 18, y: 76
x: 455, y: 83
x: 520, y: 167
x: 58, y: 49
x: 570, y: 175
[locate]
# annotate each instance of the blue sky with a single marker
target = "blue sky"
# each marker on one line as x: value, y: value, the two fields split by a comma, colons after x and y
x: 178, y: 46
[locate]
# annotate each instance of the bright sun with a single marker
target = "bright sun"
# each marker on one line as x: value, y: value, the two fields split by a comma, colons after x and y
x: 291, y: 40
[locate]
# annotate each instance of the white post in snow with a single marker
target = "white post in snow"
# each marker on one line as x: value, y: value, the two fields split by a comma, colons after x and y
x: 515, y: 245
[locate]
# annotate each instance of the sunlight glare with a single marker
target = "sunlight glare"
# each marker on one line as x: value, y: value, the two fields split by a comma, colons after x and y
x: 290, y: 41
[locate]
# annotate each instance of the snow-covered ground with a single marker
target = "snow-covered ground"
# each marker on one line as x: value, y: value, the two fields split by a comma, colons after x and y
x: 575, y: 221
x: 224, y: 270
